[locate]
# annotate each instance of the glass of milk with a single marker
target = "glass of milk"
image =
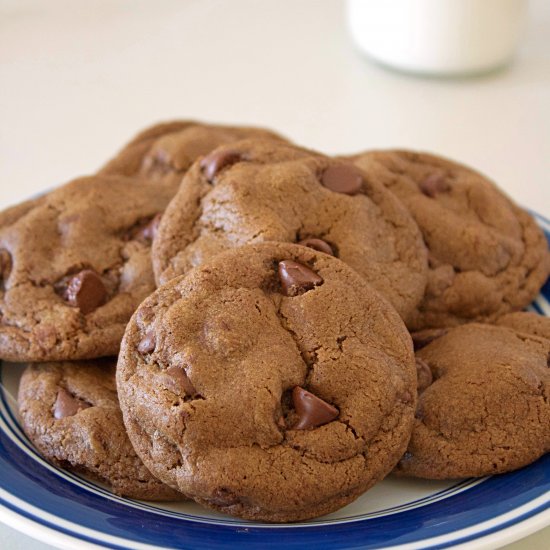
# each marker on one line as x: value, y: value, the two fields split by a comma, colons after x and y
x: 438, y: 37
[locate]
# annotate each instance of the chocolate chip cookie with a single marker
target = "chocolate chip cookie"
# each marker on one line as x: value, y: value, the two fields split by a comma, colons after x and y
x: 270, y: 383
x: 74, y: 265
x: 254, y: 191
x: 487, y: 256
x: 527, y: 322
x: 487, y: 410
x: 70, y: 412
x: 164, y: 152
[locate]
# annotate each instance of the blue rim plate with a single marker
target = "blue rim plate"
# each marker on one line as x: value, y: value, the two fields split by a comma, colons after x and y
x: 61, y: 508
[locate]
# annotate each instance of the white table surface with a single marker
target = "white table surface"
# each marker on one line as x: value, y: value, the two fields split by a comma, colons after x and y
x: 77, y: 79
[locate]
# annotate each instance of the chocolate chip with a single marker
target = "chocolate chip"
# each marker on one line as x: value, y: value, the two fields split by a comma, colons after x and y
x: 311, y: 410
x: 5, y: 267
x: 217, y: 160
x: 86, y: 291
x: 145, y: 315
x: 422, y: 338
x: 159, y: 162
x: 296, y: 278
x: 145, y: 230
x: 67, y: 404
x: 318, y: 244
x: 148, y: 342
x: 179, y: 382
x: 342, y: 178
x: 434, y: 184
x: 424, y: 376
x: 150, y: 230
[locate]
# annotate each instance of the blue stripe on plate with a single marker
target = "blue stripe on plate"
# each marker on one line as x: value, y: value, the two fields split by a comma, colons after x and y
x: 17, y: 435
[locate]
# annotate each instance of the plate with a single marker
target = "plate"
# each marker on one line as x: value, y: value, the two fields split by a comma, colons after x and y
x: 66, y: 509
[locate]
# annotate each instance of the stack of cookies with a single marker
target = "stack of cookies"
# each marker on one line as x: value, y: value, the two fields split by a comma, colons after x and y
x: 223, y: 316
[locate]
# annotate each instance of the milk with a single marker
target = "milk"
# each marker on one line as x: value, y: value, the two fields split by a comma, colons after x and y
x: 439, y: 37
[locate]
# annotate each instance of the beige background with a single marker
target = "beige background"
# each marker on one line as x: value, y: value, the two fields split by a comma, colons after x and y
x: 78, y: 78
